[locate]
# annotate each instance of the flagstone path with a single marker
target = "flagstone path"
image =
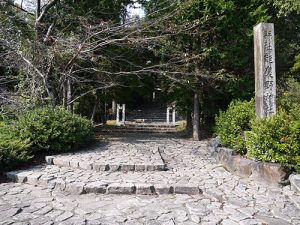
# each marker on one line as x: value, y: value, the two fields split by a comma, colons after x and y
x: 142, y: 179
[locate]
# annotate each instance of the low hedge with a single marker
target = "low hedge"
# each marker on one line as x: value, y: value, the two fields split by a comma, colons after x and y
x: 13, y: 149
x: 42, y: 130
x: 276, y: 139
x: 53, y: 129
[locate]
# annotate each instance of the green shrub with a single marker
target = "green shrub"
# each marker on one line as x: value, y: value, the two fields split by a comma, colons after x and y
x: 276, y: 139
x: 289, y: 97
x: 3, y: 120
x: 13, y: 150
x: 53, y: 130
x: 231, y: 124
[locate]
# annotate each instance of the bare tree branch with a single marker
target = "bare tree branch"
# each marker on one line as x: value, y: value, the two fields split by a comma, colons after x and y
x: 45, y: 11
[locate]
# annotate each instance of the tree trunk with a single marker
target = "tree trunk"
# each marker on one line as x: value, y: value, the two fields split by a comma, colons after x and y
x: 64, y: 95
x: 38, y: 8
x: 69, y: 95
x: 189, y: 122
x: 38, y: 13
x: 196, y: 122
x: 113, y: 107
x: 94, y: 110
x: 105, y: 113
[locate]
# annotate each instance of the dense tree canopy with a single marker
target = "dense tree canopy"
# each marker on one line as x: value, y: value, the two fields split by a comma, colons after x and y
x: 78, y: 54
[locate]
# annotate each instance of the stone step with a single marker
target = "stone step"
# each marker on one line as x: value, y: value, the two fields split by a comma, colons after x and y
x: 142, y: 124
x: 76, y: 181
x: 138, y: 129
x: 112, y: 157
x: 102, y: 166
x: 113, y: 130
x: 147, y: 127
x: 147, y: 120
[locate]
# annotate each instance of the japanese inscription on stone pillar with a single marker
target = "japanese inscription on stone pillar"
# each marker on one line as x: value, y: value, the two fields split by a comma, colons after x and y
x: 265, y: 74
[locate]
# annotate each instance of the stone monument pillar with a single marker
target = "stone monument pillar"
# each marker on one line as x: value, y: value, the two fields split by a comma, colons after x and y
x: 265, y: 73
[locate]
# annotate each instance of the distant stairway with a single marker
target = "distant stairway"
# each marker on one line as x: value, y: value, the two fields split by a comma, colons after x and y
x: 149, y: 119
x: 150, y: 114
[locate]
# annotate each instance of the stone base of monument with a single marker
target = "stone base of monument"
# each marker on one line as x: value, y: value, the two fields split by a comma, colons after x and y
x: 270, y: 173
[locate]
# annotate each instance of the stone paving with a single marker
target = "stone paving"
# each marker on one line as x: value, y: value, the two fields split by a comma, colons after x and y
x: 106, y: 157
x: 223, y: 198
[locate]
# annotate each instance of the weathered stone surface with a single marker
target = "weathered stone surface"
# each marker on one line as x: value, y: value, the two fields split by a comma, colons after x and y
x: 75, y: 188
x: 243, y: 166
x: 74, y: 164
x: 272, y: 220
x: 213, y: 144
x: 231, y: 199
x: 44, y: 180
x: 5, y: 214
x: 64, y: 216
x: 271, y: 173
x: 229, y: 222
x: 33, y: 178
x: 186, y: 189
x: 96, y: 187
x: 140, y: 167
x: 196, y: 208
x: 144, y: 189
x: 100, y: 167
x: 44, y: 210
x: 61, y: 161
x: 127, y: 167
x: 265, y: 74
x: 49, y: 159
x: 160, y: 167
x: 249, y: 222
x: 215, y: 194
x: 111, y: 160
x: 18, y: 176
x: 114, y: 168
x: 163, y: 189
x: 295, y: 182
x: 118, y: 188
x: 60, y: 184
x: 85, y: 165
x: 41, y: 220
x: 224, y: 155
x: 150, y: 167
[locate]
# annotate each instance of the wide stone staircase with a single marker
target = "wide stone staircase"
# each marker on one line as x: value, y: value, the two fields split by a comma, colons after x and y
x: 114, y: 167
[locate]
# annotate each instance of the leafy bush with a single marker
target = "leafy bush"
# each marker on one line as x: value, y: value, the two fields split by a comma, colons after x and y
x: 13, y: 150
x: 2, y: 120
x: 40, y: 130
x: 231, y: 124
x: 289, y: 96
x: 54, y: 130
x: 276, y: 139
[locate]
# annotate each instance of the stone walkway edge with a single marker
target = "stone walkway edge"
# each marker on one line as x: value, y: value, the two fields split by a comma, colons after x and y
x: 51, y: 160
x: 99, y: 187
